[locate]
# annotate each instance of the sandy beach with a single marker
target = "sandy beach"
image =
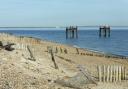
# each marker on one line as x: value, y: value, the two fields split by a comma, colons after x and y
x: 30, y: 66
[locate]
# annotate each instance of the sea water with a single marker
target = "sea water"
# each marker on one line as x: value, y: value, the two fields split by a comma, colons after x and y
x: 88, y: 38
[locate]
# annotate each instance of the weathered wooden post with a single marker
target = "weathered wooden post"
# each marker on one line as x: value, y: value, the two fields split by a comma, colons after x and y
x: 111, y: 73
x: 61, y: 50
x: 108, y: 73
x: 122, y: 73
x: 125, y: 73
x: 53, y: 59
x: 65, y: 51
x: 50, y: 50
x: 100, y: 73
x: 31, y: 54
x: 77, y: 50
x: 104, y: 73
x: 116, y: 73
x: 56, y: 50
x: 119, y: 78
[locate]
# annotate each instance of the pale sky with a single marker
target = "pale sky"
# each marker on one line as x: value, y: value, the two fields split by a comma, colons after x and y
x: 43, y: 13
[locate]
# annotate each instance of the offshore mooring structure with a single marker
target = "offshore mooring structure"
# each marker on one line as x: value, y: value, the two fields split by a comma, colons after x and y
x: 71, y: 32
x: 104, y: 31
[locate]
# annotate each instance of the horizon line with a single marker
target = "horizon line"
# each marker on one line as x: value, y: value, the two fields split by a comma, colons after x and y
x: 54, y: 26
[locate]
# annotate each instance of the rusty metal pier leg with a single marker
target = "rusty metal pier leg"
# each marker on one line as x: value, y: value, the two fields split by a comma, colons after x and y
x: 100, y: 32
x: 66, y: 33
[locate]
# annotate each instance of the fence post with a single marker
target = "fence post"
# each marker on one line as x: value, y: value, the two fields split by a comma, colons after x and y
x: 100, y: 73
x: 119, y: 74
x: 114, y: 73
x: 53, y: 59
x: 111, y: 73
x: 104, y: 73
x: 108, y: 69
x: 56, y: 50
x: 77, y: 50
x: 124, y: 73
x: 65, y: 51
x: 31, y: 54
x: 61, y: 50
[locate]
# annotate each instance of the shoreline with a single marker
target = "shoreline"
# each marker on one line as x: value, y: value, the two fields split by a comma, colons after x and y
x: 93, y: 52
x: 101, y: 53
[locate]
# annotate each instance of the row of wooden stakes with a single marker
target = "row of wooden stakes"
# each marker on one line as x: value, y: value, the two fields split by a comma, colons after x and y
x: 21, y: 46
x: 112, y: 73
x: 100, y: 54
x: 57, y: 49
x: 20, y: 39
x: 26, y: 48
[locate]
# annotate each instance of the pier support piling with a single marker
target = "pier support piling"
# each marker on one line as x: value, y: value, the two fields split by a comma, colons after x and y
x: 71, y: 32
x: 104, y: 31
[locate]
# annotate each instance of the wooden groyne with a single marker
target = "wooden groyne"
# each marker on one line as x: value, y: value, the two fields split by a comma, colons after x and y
x: 88, y: 52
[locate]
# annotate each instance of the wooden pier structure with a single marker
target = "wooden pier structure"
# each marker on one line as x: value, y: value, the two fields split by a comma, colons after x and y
x: 104, y: 31
x: 71, y: 32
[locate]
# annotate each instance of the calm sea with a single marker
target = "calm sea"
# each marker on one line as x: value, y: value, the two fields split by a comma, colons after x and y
x: 88, y: 38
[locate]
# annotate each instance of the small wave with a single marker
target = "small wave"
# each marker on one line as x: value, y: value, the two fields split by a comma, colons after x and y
x: 76, y: 46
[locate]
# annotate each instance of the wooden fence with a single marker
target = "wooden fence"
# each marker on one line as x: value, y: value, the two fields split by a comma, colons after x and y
x: 21, y: 46
x: 111, y: 73
x: 20, y: 39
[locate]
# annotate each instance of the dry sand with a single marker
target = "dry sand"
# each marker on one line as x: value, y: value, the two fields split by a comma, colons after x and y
x: 18, y: 71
